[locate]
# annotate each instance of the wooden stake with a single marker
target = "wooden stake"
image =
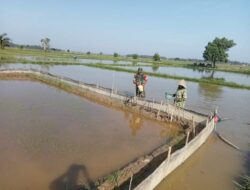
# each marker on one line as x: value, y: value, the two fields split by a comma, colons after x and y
x: 130, y: 183
x: 171, y: 117
x: 159, y: 110
x: 193, y: 125
x: 169, y: 153
x: 187, y: 138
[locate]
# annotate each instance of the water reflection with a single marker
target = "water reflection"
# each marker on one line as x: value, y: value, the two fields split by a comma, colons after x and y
x: 198, y: 73
x: 76, y: 177
x: 155, y: 68
x: 169, y: 128
x: 45, y: 68
x: 135, y: 122
x: 210, y: 92
x: 205, y: 72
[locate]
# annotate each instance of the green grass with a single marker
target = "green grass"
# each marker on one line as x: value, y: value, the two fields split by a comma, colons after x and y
x: 12, y: 59
x: 55, y: 54
x: 13, y: 52
x: 201, y: 80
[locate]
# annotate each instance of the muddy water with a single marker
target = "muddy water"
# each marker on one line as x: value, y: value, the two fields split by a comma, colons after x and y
x: 213, y: 166
x: 214, y: 163
x: 48, y: 136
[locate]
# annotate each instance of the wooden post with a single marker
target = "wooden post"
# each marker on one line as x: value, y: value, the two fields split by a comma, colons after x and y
x: 171, y: 116
x: 153, y: 103
x: 187, y: 138
x: 158, y: 113
x: 193, y: 125
x: 178, y: 114
x: 130, y: 183
x: 169, y: 153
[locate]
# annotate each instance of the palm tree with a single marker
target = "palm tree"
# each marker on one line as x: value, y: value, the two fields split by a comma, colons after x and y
x: 4, y: 40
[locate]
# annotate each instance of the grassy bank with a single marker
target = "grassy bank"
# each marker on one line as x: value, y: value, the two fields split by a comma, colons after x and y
x: 221, y: 67
x: 12, y: 53
x: 12, y: 59
x: 202, y: 80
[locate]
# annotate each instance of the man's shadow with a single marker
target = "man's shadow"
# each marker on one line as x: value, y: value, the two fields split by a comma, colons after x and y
x: 75, y: 178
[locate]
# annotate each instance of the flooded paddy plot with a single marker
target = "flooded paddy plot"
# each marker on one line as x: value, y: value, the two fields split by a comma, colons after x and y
x: 195, y: 73
x: 233, y: 104
x: 48, y: 136
x: 77, y: 60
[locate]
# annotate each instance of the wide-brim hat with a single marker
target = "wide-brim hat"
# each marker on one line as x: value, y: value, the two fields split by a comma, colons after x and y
x: 182, y: 83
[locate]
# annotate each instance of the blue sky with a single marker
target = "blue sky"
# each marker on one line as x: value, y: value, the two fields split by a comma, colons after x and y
x: 179, y: 28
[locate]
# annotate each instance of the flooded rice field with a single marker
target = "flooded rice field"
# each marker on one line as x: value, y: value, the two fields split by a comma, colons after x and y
x: 215, y: 164
x: 197, y: 73
x: 80, y: 60
x: 243, y: 79
x: 49, y: 137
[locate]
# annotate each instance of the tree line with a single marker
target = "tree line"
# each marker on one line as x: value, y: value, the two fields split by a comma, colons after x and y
x: 215, y: 51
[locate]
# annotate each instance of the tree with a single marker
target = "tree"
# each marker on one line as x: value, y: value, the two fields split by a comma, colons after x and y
x: 156, y: 57
x: 4, y: 40
x: 88, y: 53
x: 135, y: 56
x: 45, y: 43
x: 217, y: 50
x: 116, y: 54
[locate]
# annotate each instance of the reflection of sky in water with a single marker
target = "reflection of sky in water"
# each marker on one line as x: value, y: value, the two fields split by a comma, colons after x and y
x: 233, y: 103
x: 195, y: 73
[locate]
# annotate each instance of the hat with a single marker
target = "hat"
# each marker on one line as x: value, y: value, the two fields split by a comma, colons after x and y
x: 182, y: 83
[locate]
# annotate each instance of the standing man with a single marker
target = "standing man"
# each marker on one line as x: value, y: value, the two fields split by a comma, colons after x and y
x: 140, y: 79
x: 181, y: 94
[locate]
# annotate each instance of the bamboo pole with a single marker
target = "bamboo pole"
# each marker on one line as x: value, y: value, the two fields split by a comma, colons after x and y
x: 169, y: 153
x: 193, y: 125
x: 187, y: 138
x: 130, y: 183
x: 158, y: 113
x: 171, y: 117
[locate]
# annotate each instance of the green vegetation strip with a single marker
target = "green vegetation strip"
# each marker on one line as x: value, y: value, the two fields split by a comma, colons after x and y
x: 10, y: 60
x: 202, y: 80
x: 13, y: 52
x: 222, y: 67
